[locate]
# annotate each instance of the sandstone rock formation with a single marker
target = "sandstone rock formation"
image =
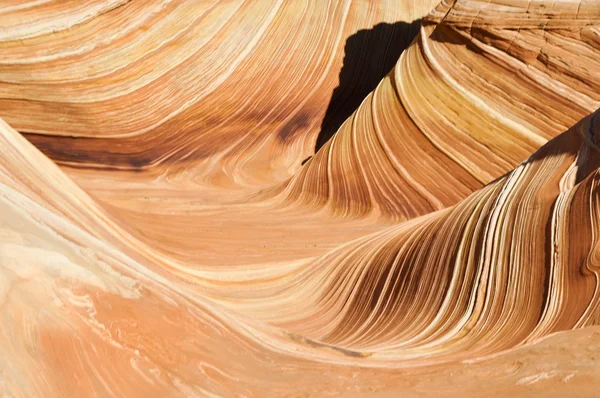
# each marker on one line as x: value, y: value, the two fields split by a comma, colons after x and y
x: 168, y: 229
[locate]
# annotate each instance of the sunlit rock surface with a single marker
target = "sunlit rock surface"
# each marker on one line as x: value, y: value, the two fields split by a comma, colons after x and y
x: 168, y: 229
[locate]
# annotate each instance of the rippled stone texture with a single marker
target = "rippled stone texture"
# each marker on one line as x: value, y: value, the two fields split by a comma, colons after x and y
x: 165, y: 233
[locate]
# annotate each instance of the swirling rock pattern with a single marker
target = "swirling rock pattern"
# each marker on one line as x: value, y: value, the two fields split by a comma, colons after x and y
x: 162, y: 236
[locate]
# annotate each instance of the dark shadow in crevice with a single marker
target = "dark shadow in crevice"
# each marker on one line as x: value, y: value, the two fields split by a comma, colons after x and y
x: 369, y: 55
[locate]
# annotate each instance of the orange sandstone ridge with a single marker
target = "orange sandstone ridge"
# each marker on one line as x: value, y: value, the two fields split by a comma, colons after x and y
x: 190, y: 206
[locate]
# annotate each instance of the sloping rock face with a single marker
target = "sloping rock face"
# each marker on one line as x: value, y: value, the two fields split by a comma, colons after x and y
x: 190, y: 206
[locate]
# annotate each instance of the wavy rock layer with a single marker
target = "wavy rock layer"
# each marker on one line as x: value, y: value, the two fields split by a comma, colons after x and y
x: 160, y: 236
x: 474, y: 96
